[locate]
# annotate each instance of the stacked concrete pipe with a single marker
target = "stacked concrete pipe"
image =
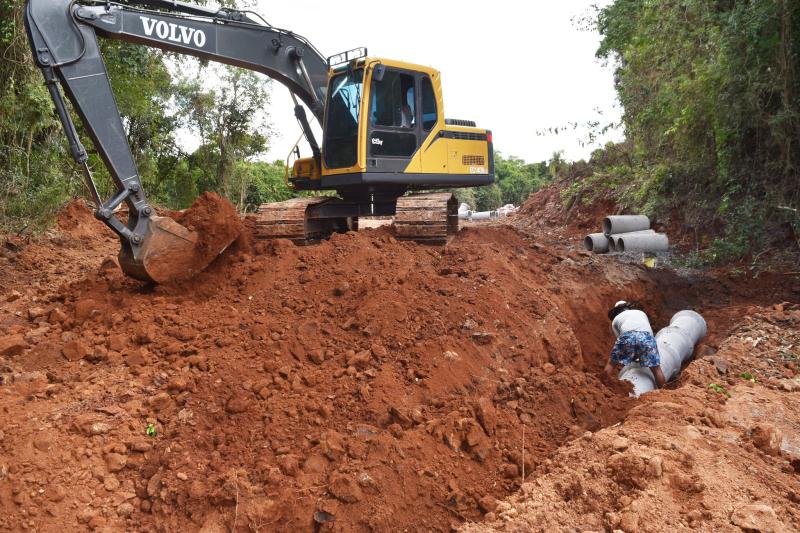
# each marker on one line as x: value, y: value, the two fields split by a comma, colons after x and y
x: 642, y: 242
x: 626, y: 233
x: 613, y: 239
x: 676, y: 344
x: 616, y: 224
x: 598, y: 243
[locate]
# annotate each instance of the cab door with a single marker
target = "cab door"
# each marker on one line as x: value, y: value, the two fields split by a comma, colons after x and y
x: 434, y: 154
x: 394, y: 131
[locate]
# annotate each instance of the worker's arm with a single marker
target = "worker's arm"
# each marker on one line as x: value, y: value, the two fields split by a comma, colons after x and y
x: 610, y: 368
x: 659, y: 375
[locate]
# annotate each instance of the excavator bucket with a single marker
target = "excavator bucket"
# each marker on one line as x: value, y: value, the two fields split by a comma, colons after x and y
x: 169, y: 252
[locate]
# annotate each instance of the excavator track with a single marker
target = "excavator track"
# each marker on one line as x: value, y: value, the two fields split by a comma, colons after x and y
x: 293, y: 220
x: 424, y: 218
x: 427, y: 218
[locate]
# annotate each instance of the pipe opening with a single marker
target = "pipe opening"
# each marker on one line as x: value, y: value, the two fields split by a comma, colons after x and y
x: 588, y: 243
x: 607, y: 226
x: 620, y: 246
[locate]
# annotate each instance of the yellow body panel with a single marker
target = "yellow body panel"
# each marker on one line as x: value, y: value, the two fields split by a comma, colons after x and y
x: 467, y: 157
x: 306, y: 168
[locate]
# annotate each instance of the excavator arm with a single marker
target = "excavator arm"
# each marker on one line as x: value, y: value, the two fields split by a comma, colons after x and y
x: 63, y: 37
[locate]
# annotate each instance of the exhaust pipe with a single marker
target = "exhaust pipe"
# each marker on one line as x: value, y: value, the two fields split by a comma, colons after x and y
x: 676, y: 344
x: 642, y: 242
x: 597, y: 243
x: 625, y: 224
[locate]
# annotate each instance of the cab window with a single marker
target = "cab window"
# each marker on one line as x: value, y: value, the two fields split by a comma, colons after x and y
x: 393, y: 102
x: 341, y: 122
x: 429, y: 111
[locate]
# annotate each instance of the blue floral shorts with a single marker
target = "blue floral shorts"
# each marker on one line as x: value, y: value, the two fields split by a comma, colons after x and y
x: 636, y: 347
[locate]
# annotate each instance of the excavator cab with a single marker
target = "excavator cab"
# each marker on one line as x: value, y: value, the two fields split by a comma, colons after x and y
x: 384, y: 130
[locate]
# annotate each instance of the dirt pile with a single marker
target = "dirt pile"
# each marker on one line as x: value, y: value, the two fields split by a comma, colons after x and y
x: 362, y: 383
x: 76, y: 219
x: 706, y: 458
x: 185, y: 243
x: 216, y: 222
x: 549, y: 212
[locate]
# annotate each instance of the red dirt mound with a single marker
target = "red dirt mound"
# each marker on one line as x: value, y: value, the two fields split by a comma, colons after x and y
x: 212, y: 221
x: 77, y: 220
x: 367, y: 384
x: 216, y: 222
x: 359, y: 384
x: 546, y: 209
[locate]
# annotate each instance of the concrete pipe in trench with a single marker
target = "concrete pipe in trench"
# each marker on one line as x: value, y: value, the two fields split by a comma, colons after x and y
x: 625, y: 224
x: 482, y: 215
x: 597, y: 243
x: 642, y: 242
x: 676, y: 344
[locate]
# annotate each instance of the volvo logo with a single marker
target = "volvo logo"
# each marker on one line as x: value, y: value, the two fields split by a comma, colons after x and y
x: 176, y: 33
x: 377, y: 141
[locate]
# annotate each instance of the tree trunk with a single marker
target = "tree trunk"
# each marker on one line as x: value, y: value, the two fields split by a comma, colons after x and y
x: 28, y: 153
x: 785, y: 71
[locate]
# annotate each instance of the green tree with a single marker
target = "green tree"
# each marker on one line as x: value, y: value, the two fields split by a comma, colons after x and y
x: 231, y: 124
x: 488, y: 198
x: 263, y: 182
x: 36, y: 173
x: 144, y: 91
x: 35, y: 177
x: 711, y: 114
x: 517, y: 179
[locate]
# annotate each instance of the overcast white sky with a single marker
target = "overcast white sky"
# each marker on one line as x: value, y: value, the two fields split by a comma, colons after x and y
x: 513, y: 67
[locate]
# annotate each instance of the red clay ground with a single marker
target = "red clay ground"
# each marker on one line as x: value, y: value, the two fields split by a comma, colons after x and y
x: 361, y: 384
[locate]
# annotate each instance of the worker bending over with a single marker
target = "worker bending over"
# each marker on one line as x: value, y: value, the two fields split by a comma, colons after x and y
x: 635, y: 344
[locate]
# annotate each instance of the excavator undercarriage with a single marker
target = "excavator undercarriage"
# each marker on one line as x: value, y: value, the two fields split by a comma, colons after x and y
x: 424, y: 218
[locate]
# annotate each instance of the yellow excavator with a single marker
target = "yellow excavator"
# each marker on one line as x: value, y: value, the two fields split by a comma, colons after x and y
x: 385, y: 134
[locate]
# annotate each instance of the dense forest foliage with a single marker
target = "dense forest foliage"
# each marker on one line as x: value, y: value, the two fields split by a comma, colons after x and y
x: 711, y: 97
x: 161, y: 97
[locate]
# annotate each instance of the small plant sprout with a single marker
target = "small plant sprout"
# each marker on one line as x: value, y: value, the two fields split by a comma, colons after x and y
x: 747, y: 376
x: 151, y: 430
x: 719, y: 389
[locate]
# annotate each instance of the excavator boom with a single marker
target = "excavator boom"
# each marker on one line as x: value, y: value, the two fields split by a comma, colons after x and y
x: 63, y: 37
